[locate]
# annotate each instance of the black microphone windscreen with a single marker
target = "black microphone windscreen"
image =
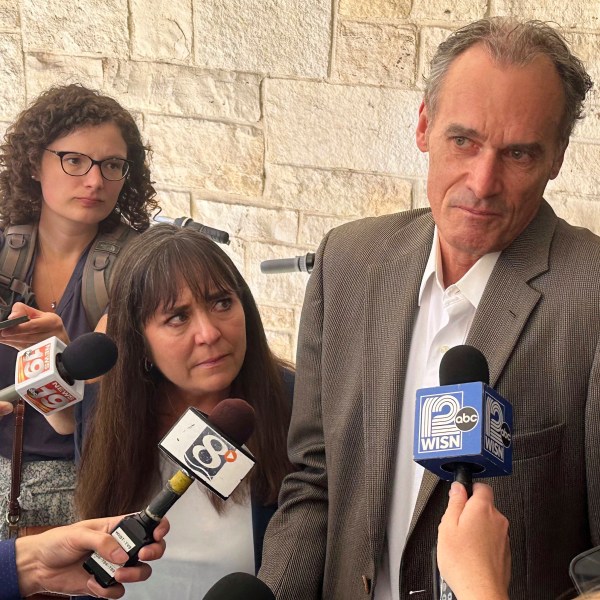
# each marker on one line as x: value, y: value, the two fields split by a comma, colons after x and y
x: 463, y: 364
x: 235, y: 418
x: 239, y: 586
x: 90, y: 355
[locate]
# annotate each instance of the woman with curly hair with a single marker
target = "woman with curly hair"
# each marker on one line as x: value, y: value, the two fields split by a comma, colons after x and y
x: 73, y: 170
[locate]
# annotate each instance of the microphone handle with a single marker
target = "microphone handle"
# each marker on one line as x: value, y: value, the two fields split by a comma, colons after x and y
x: 9, y: 394
x: 137, y: 529
x: 222, y: 237
x: 463, y: 473
x: 303, y: 263
x: 171, y: 492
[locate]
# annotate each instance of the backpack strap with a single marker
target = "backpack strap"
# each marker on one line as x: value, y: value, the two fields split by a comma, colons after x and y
x: 98, y: 268
x: 16, y: 256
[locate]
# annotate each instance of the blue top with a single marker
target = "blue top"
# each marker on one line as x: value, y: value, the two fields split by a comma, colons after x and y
x: 40, y: 441
x: 9, y: 583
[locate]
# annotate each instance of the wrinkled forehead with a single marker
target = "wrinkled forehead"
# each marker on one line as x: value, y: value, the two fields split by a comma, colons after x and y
x: 525, y: 102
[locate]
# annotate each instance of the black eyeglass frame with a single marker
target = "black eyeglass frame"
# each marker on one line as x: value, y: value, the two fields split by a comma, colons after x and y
x: 61, y: 154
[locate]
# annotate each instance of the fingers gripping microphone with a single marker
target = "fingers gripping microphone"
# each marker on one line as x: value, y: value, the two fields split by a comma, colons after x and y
x: 207, y: 449
x: 239, y: 586
x: 463, y: 427
x: 50, y: 376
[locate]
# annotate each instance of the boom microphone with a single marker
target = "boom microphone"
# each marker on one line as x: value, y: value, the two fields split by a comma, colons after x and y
x: 209, y: 449
x: 50, y: 375
x: 222, y: 237
x: 289, y: 265
x: 239, y: 586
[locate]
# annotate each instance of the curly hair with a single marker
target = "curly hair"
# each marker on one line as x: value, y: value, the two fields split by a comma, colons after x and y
x: 55, y: 113
x: 510, y: 42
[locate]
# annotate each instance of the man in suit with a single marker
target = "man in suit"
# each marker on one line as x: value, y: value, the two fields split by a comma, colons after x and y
x: 489, y: 265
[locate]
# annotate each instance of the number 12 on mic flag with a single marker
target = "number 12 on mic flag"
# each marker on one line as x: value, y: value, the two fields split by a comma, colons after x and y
x: 467, y: 423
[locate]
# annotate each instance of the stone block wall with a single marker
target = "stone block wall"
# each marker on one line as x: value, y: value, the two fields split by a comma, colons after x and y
x: 278, y: 119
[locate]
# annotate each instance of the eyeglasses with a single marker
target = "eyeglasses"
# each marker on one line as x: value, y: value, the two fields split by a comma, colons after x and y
x: 77, y: 164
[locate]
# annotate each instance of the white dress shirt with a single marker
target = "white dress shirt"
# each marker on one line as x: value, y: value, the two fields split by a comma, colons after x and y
x: 443, y: 321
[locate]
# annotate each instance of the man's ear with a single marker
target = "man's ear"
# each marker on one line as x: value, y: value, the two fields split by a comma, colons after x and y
x: 422, y: 129
x: 558, y: 161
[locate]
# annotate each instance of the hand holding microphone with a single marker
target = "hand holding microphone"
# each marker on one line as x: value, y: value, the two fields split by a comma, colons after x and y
x: 463, y: 428
x: 207, y: 449
x: 473, y: 549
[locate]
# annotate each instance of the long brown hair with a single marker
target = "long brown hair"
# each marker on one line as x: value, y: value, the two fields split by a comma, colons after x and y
x: 120, y: 464
x: 55, y: 113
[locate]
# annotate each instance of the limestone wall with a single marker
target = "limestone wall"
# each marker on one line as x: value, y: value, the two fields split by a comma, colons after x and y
x: 278, y: 119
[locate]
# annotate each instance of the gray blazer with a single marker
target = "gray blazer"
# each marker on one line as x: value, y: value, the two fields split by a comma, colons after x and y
x: 538, y: 325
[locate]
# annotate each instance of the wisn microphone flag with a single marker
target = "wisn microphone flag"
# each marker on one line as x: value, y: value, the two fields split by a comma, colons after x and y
x: 464, y: 423
x: 206, y: 453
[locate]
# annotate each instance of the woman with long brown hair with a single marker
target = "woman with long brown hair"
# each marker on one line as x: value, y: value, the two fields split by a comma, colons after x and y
x: 189, y: 334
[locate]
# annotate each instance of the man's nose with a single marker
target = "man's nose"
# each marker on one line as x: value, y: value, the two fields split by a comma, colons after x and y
x: 485, y: 175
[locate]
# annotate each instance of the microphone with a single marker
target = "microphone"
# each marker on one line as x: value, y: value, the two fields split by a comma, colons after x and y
x: 239, y: 586
x: 50, y: 375
x: 222, y: 237
x: 209, y: 449
x: 289, y: 265
x: 463, y: 428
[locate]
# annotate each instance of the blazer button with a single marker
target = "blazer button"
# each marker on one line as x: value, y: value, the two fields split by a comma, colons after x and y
x: 366, y: 584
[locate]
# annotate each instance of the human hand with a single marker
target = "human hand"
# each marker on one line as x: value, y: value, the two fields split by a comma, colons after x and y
x: 473, y: 549
x: 52, y: 561
x: 5, y: 408
x: 41, y: 326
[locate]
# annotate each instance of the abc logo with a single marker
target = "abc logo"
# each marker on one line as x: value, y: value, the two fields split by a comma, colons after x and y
x: 466, y: 418
x: 505, y: 435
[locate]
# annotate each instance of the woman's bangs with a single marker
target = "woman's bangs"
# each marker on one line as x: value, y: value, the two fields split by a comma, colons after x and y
x: 204, y: 273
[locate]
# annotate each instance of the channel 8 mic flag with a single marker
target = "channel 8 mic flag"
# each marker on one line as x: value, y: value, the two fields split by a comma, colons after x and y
x: 206, y: 454
x: 466, y: 423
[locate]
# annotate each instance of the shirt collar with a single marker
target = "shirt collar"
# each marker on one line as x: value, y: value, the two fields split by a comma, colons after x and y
x: 471, y: 284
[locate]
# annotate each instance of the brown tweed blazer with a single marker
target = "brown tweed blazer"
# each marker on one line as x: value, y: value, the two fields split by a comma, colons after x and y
x: 538, y: 325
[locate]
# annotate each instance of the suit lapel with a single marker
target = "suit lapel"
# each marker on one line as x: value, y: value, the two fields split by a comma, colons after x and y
x: 509, y: 300
x: 390, y: 309
x: 504, y: 310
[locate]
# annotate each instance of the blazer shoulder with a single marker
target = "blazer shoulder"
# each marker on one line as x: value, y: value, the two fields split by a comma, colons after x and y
x: 577, y: 246
x: 376, y: 235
